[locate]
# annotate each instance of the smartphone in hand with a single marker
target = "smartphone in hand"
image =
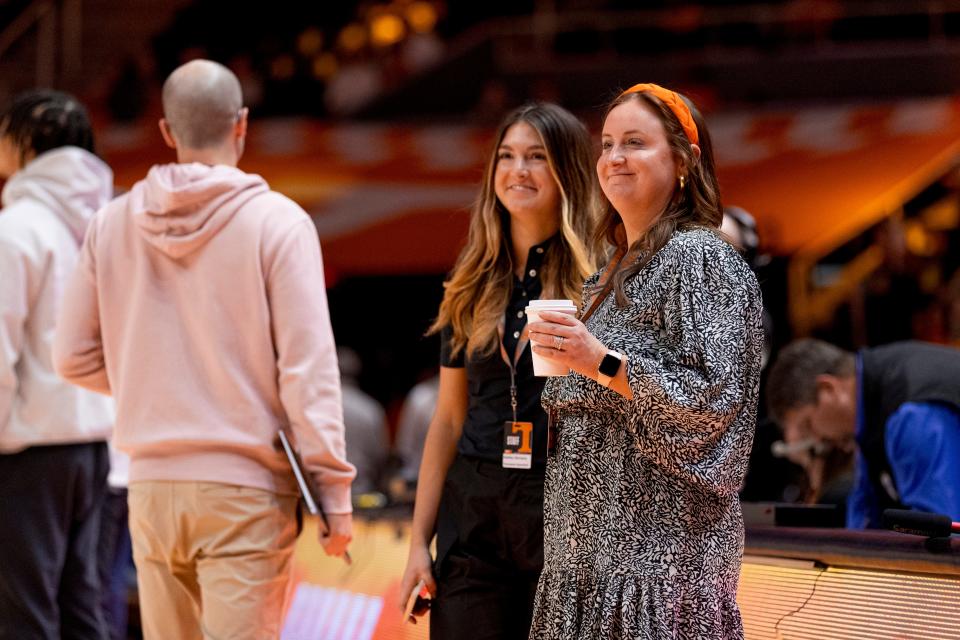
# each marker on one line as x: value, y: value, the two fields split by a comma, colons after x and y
x: 415, y: 603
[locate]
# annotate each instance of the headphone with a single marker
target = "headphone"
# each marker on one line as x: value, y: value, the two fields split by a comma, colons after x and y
x: 747, y: 227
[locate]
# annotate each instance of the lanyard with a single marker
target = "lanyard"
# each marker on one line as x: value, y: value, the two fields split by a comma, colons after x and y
x: 612, y: 268
x: 512, y: 364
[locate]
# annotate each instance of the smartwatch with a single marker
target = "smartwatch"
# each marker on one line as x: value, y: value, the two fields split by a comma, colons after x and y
x: 609, y: 367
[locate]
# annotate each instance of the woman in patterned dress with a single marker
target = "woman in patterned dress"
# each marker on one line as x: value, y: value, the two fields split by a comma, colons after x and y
x: 536, y: 209
x: 643, y: 531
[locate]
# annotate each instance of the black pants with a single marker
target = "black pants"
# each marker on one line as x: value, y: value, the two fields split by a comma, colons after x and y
x: 115, y: 562
x: 50, y: 501
x: 489, y: 552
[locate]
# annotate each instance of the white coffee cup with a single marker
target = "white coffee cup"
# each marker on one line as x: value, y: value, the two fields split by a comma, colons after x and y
x: 542, y: 366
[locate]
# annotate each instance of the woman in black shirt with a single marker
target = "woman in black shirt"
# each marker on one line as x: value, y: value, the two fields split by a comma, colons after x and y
x: 481, y: 479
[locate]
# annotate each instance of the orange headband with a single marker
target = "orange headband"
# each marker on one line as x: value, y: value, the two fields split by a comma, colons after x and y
x: 675, y: 103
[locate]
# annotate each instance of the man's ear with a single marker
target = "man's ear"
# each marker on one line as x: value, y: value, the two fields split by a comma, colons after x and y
x: 240, y: 129
x: 827, y: 385
x: 166, y: 133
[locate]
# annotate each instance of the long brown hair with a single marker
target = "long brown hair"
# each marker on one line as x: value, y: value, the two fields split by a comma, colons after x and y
x: 478, y: 290
x: 696, y: 205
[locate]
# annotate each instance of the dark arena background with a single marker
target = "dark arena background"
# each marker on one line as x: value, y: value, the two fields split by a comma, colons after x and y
x: 836, y: 125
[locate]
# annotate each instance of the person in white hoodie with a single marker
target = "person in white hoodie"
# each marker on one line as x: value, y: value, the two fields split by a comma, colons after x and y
x: 199, y: 303
x: 53, y: 454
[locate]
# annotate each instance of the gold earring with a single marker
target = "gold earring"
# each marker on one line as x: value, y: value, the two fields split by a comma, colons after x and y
x: 683, y: 181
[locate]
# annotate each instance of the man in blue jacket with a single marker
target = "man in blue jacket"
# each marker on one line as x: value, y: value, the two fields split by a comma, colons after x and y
x: 897, y: 405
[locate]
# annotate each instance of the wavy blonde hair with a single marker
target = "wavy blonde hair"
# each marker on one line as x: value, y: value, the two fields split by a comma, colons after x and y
x: 696, y: 205
x: 478, y: 290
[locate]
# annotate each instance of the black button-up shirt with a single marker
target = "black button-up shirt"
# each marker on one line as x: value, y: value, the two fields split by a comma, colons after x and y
x: 488, y: 377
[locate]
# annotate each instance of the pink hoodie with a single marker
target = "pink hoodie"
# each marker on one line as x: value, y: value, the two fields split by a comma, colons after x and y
x: 199, y: 303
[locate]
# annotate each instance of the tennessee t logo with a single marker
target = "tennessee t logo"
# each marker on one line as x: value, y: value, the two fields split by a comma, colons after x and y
x: 525, y: 429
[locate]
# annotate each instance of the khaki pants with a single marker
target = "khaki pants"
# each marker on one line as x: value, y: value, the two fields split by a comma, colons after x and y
x: 213, y: 560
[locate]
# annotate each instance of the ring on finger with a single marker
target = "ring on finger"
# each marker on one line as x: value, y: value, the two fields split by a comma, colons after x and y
x: 558, y: 343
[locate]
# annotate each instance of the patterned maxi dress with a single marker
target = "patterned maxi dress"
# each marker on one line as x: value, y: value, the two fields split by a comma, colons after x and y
x: 643, y: 530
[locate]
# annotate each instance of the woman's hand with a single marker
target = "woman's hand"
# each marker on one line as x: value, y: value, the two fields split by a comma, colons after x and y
x: 419, y: 567
x: 562, y: 338
x: 578, y: 349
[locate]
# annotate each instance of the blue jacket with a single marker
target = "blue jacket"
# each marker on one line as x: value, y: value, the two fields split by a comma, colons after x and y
x: 922, y: 443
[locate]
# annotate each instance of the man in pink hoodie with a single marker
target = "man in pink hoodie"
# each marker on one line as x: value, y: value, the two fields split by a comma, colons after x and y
x: 199, y: 304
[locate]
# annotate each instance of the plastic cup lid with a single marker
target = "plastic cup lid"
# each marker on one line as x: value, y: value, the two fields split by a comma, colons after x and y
x: 551, y: 304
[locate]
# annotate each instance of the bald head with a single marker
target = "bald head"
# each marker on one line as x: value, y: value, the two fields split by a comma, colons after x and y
x: 201, y: 103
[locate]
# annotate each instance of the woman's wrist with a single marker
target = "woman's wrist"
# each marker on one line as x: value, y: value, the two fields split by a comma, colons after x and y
x: 417, y: 539
x: 610, y: 368
x: 598, y: 357
x: 599, y: 353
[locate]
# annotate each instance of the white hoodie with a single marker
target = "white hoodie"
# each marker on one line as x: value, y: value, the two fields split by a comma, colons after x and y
x: 46, y: 208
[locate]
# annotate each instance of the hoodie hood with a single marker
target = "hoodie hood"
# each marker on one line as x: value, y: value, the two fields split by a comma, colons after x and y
x: 70, y: 181
x: 179, y: 207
